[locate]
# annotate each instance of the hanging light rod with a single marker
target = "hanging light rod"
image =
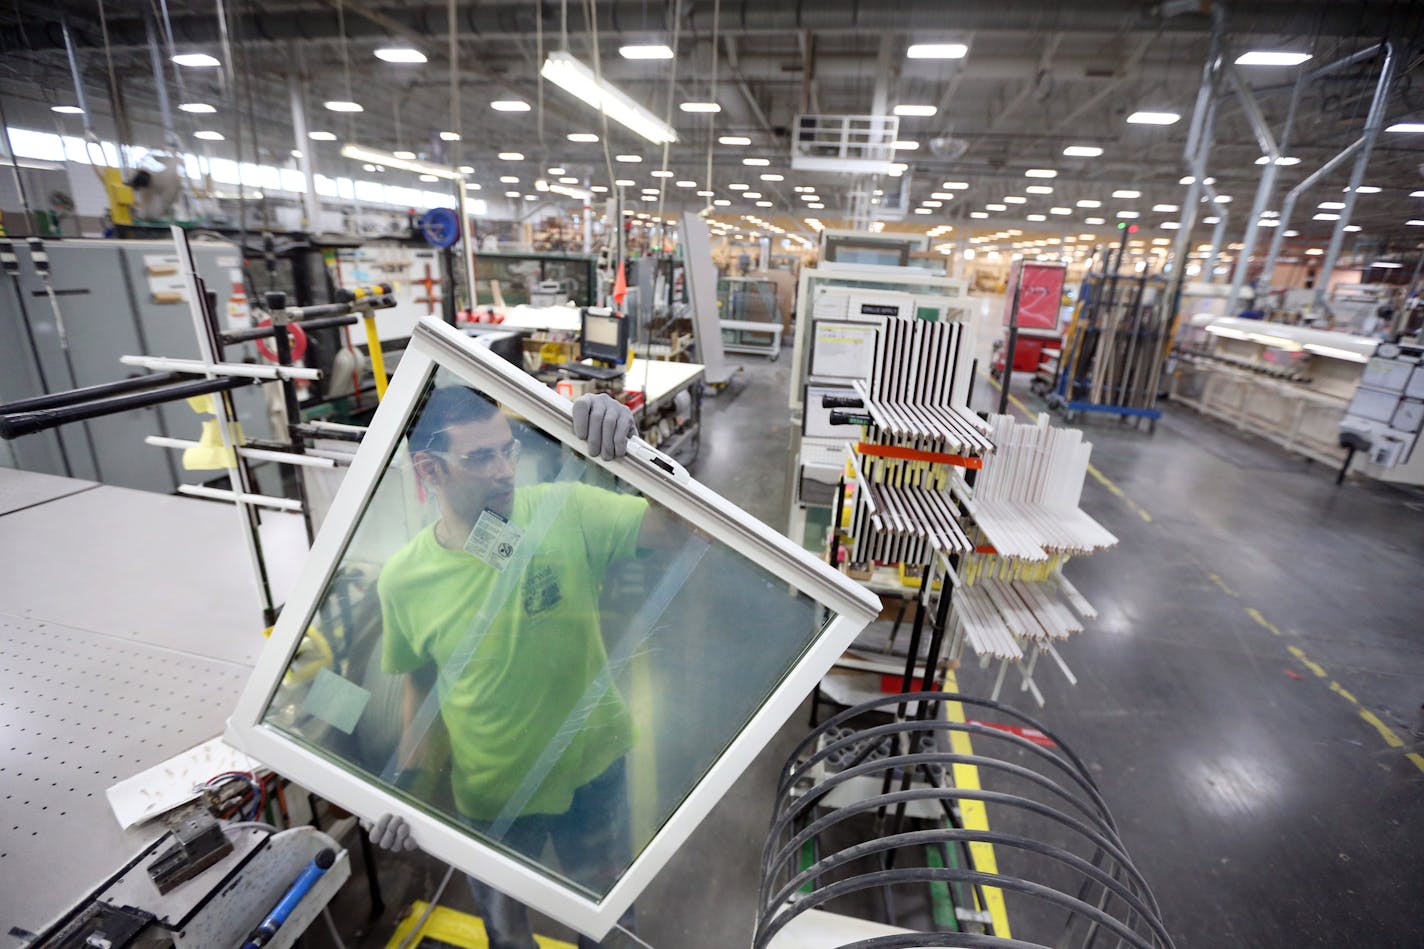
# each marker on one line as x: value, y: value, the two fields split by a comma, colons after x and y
x: 571, y: 75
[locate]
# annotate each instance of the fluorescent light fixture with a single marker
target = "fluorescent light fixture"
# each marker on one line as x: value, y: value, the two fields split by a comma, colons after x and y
x: 763, y: 204
x: 1415, y: 223
x: 400, y: 54
x: 1040, y: 173
x: 1082, y: 151
x: 1170, y: 225
x: 734, y: 140
x: 942, y: 196
x: 1283, y: 160
x: 738, y: 186
x: 1153, y: 118
x: 996, y: 207
x: 209, y: 135
x: 1165, y: 208
x: 568, y: 181
x: 1036, y: 217
x: 429, y: 178
x: 583, y: 137
x: 1268, y: 222
x: 916, y: 110
x: 722, y: 203
x: 773, y: 177
x: 511, y: 194
x: 954, y: 185
x: 1214, y: 220
x: 508, y: 179
x: 625, y: 182
x: 510, y: 105
x: 556, y: 172
x: 705, y: 194
x: 1094, y: 220
x: 1352, y: 228
x: 1386, y: 265
x: 752, y: 195
x: 936, y: 51
x: 1060, y: 211
x: 646, y: 51
x: 923, y: 211
x: 628, y: 159
x: 408, y: 156
x: 933, y: 204
x: 1326, y: 217
x: 1332, y: 205
x: 197, y: 108
x: 449, y: 136
x: 296, y: 153
x: 1015, y: 199
x: 67, y: 109
x: 687, y: 184
x: 1186, y: 180
x: 1127, y: 194
x: 342, y: 105
x: 810, y: 196
x: 1039, y: 189
x: 1314, y: 251
x: 390, y: 160
x: 1266, y: 57
x: 699, y: 107
x: 1414, y: 127
x: 1089, y: 203
x: 1365, y: 189
x: 650, y: 191
x: 756, y: 162
x: 1337, y: 353
x: 320, y: 136
x: 1128, y: 214
x: 511, y: 156
x: 661, y: 173
x: 196, y: 60
x: 905, y: 145
x: 1222, y: 199
x: 473, y: 186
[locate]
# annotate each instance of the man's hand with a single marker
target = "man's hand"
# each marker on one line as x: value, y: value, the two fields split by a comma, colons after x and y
x: 390, y: 832
x: 605, y: 423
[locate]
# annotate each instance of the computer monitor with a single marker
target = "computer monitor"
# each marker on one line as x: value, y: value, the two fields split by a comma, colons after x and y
x: 605, y: 336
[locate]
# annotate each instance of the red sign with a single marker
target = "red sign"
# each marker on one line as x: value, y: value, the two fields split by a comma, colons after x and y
x: 1032, y: 734
x: 1039, y: 289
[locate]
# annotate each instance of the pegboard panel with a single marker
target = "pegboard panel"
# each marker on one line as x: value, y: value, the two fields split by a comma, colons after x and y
x: 80, y: 711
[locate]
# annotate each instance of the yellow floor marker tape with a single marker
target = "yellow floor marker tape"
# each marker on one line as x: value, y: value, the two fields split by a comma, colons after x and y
x: 1255, y: 614
x: 1305, y: 660
x: 1222, y: 584
x: 973, y: 814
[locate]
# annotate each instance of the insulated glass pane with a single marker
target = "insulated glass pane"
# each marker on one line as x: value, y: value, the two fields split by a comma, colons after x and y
x: 523, y: 645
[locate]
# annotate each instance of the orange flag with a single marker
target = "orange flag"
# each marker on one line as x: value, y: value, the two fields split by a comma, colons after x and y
x: 620, y: 286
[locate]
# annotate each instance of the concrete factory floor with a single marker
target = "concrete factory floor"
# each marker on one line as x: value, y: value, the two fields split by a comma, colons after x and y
x: 1257, y: 653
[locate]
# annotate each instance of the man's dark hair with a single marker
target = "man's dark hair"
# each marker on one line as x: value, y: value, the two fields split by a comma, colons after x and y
x: 444, y: 407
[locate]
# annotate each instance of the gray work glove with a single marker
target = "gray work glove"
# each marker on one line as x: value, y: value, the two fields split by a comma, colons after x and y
x: 390, y: 832
x: 605, y: 423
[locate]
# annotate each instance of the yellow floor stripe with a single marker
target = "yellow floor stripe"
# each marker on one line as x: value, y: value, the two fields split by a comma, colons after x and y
x: 1255, y: 614
x: 973, y: 813
x: 1222, y: 583
x: 1098, y: 476
x: 1387, y: 733
x: 1339, y: 689
x: 1305, y: 660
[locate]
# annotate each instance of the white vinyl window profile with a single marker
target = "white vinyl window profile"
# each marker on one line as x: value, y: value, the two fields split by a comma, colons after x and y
x: 436, y: 346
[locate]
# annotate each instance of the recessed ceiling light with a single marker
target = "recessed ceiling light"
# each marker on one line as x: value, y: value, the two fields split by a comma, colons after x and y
x: 508, y: 180
x: 1153, y: 118
x: 646, y: 51
x: 916, y: 110
x: 1039, y: 189
x: 1127, y: 194
x: 756, y: 162
x: 404, y: 155
x: 1332, y: 205
x: 322, y: 136
x: 1264, y: 222
x: 1035, y: 217
x: 937, y: 51
x: 734, y: 140
x: 1326, y: 216
x: 296, y: 153
x: 400, y: 54
x: 722, y: 203
x: 625, y: 182
x: 978, y: 215
x: 763, y: 204
x: 428, y: 178
x: 67, y: 109
x: 1216, y: 220
x: 904, y: 145
x: 1127, y: 214
x: 208, y: 135
x: 1089, y: 203
x: 342, y: 105
x: 699, y: 107
x: 511, y: 156
x: 687, y: 184
x: 1222, y: 199
x: 599, y: 189
x: 1015, y: 199
x: 1170, y: 225
x: 473, y: 186
x: 1060, y: 210
x: 738, y: 187
x: 1265, y: 57
x: 1166, y: 208
x: 661, y: 173
x: 810, y: 196
x: 584, y: 137
x: 510, y: 105
x: 197, y: 108
x: 567, y: 180
x: 996, y: 207
x: 650, y: 191
x: 449, y: 136
x: 1082, y: 151
x: 1093, y: 220
x: 1364, y: 189
x: 923, y: 211
x: 773, y: 177
x: 196, y: 60
x: 628, y: 159
x: 1040, y: 173
x: 705, y: 194
x: 933, y: 204
x: 942, y: 196
x: 752, y: 195
x: 466, y: 169
x: 1352, y: 227
x: 531, y: 197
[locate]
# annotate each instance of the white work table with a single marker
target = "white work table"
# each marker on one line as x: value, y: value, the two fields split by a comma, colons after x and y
x: 660, y: 381
x: 129, y: 621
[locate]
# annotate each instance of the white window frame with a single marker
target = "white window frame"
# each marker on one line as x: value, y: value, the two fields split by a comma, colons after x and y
x: 435, y: 345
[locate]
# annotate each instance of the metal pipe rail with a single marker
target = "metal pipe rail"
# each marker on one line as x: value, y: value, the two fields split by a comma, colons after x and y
x: 1061, y: 865
x: 15, y: 424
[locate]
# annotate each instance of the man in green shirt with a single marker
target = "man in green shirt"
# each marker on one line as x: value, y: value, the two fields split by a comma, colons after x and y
x: 494, y: 608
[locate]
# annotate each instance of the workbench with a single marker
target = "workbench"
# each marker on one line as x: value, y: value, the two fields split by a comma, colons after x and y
x: 131, y: 620
x: 660, y: 382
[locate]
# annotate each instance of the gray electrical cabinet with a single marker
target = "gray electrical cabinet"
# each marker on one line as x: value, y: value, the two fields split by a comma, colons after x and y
x: 114, y: 298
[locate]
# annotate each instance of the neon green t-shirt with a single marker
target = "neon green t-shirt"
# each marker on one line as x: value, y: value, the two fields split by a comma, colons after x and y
x: 534, y: 664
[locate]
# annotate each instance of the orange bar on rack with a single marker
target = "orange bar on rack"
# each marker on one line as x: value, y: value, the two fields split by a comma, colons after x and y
x: 910, y: 454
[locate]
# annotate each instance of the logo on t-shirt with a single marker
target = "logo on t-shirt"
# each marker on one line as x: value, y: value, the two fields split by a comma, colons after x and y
x: 541, y: 589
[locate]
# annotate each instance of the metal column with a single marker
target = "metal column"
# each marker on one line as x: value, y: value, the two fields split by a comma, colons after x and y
x: 310, y: 202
